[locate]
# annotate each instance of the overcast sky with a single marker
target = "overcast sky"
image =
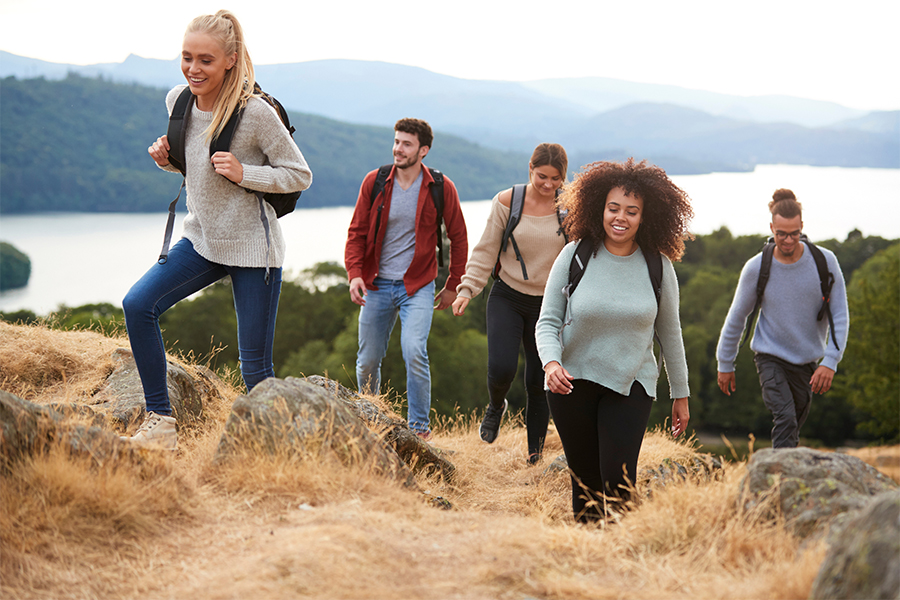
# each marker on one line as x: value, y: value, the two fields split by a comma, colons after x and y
x: 845, y: 53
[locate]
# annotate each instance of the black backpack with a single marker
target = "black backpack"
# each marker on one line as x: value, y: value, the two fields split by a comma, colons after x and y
x: 178, y: 120
x: 826, y: 281
x: 516, y: 206
x: 583, y: 252
x: 437, y: 196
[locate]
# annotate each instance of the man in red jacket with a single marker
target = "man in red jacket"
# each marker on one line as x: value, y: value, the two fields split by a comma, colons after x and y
x: 391, y: 263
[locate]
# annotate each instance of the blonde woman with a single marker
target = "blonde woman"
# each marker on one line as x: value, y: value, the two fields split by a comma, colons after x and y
x: 222, y: 235
x: 515, y: 298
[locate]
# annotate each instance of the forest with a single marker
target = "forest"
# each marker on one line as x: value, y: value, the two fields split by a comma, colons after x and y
x: 317, y: 334
x: 80, y: 144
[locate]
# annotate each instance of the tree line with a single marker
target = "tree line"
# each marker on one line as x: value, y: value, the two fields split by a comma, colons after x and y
x: 80, y: 144
x: 317, y: 326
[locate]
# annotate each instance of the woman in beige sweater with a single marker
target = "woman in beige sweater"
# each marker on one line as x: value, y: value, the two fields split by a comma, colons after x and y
x: 514, y: 304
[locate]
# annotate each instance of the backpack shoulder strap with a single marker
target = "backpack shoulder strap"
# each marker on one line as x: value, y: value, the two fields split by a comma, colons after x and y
x: 516, y: 206
x: 583, y: 252
x: 380, y: 178
x: 765, y: 268
x: 654, y: 268
x: 437, y: 195
x: 222, y: 142
x: 826, y: 282
x: 178, y: 127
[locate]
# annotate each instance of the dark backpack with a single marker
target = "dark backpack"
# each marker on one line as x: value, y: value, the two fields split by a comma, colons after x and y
x: 826, y: 281
x: 583, y: 252
x: 437, y: 196
x: 178, y: 120
x: 516, y: 206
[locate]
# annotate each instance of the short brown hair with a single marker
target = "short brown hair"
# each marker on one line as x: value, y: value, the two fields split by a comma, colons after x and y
x: 416, y: 127
x: 784, y: 203
x: 667, y: 208
x: 553, y: 155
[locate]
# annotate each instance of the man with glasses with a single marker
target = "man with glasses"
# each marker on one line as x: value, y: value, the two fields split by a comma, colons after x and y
x: 796, y: 349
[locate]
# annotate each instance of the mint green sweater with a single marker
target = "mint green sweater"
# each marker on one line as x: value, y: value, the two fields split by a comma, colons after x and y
x: 610, y: 339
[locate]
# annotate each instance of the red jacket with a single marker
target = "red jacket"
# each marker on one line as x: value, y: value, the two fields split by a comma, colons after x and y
x: 362, y: 253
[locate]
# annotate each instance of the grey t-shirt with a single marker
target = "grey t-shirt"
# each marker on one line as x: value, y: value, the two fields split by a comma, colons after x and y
x: 399, y: 243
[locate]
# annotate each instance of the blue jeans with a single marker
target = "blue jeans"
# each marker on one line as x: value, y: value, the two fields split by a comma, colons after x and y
x: 184, y: 273
x: 376, y: 321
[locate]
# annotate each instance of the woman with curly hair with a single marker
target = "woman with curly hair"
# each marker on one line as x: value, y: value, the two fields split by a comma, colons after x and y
x: 596, y: 346
x: 515, y: 298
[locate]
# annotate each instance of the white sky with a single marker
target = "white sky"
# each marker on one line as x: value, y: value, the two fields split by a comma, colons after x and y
x: 846, y: 53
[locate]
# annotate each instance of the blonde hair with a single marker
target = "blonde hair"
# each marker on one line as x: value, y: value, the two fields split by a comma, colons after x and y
x: 239, y: 81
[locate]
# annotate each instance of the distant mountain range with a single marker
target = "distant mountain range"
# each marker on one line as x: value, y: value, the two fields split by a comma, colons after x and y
x: 685, y: 131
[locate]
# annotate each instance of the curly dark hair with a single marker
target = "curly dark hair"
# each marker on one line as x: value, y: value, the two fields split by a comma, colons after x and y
x: 667, y: 208
x: 785, y: 203
x: 418, y: 128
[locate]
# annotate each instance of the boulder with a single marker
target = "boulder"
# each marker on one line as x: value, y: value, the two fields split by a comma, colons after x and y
x: 418, y: 454
x: 701, y: 467
x: 122, y: 398
x: 811, y: 488
x: 297, y: 417
x: 864, y: 561
x: 27, y: 428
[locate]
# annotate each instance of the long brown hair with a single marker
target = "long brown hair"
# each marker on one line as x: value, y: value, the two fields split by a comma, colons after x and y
x: 553, y: 155
x: 667, y: 208
x: 237, y: 86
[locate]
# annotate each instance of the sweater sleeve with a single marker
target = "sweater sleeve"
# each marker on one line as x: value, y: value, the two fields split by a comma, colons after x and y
x: 840, y: 313
x: 668, y: 327
x: 285, y: 169
x: 484, y: 255
x: 553, y: 309
x: 741, y: 307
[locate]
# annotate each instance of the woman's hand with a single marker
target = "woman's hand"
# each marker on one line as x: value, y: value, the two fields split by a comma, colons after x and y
x: 459, y: 306
x: 558, y: 380
x: 228, y: 166
x: 159, y: 151
x: 681, y: 414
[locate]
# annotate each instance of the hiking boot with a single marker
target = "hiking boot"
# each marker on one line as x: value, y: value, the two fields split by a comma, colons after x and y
x: 534, y: 458
x: 490, y: 425
x: 157, y: 431
x: 425, y: 435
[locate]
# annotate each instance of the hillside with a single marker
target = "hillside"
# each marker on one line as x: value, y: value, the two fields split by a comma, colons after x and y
x: 285, y: 525
x: 594, y: 118
x: 80, y: 144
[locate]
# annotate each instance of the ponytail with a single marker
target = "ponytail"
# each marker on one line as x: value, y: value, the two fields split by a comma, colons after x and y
x: 239, y: 81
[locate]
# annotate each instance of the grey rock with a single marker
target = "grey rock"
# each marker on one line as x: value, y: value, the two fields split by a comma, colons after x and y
x: 122, y: 398
x: 864, y: 561
x: 811, y: 488
x: 700, y: 467
x: 418, y: 454
x: 297, y: 417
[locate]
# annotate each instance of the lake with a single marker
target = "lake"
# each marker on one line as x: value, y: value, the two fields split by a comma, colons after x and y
x: 79, y: 258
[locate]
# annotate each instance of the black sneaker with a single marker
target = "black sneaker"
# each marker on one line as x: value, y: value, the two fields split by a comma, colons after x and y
x: 490, y: 425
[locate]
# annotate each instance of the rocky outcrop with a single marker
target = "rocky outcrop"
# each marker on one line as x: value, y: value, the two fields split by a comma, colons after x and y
x: 122, y: 398
x: 26, y: 428
x: 305, y: 420
x: 415, y: 452
x: 864, y: 561
x: 813, y: 490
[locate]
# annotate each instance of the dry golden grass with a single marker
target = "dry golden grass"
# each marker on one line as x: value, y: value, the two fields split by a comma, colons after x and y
x: 182, y: 526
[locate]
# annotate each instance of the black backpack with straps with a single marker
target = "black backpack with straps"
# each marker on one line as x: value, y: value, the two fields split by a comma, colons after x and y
x: 516, y: 206
x: 437, y: 196
x: 826, y: 281
x: 176, y: 132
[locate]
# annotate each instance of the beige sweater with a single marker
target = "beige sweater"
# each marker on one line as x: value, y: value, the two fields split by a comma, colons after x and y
x: 223, y: 220
x: 539, y: 242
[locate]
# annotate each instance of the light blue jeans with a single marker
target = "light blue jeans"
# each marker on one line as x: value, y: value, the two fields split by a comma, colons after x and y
x: 376, y: 321
x: 186, y: 272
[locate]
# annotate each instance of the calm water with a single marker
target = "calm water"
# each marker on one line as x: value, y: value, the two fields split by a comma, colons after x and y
x: 83, y: 258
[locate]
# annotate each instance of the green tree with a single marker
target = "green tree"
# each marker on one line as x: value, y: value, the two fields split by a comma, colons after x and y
x: 15, y: 267
x: 870, y: 379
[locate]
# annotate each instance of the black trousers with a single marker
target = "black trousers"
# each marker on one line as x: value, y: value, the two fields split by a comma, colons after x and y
x: 601, y: 433
x: 511, y: 318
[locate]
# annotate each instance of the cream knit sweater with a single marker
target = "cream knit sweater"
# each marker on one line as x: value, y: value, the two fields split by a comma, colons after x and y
x: 223, y: 221
x: 539, y: 242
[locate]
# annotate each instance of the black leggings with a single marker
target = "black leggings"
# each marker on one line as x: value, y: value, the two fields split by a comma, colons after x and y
x: 601, y: 433
x: 511, y: 317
